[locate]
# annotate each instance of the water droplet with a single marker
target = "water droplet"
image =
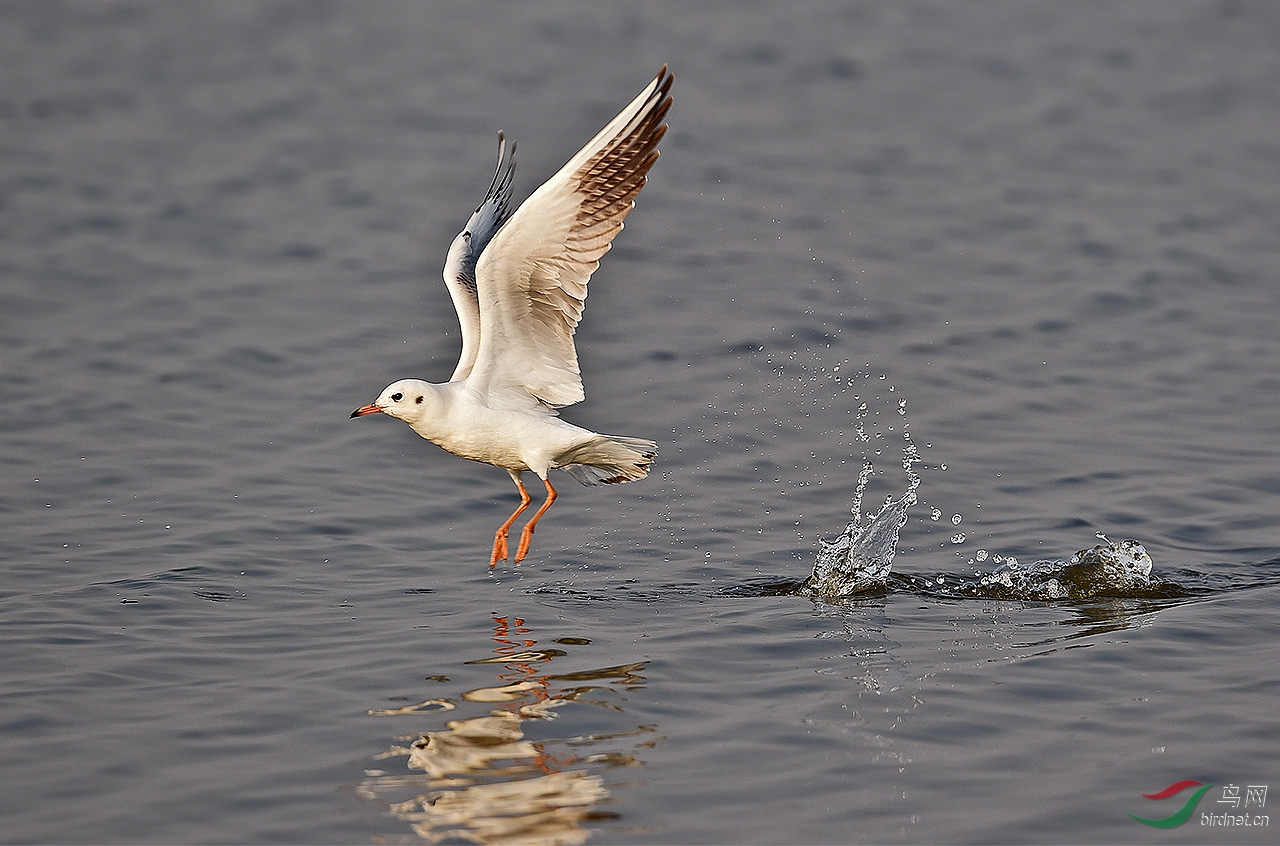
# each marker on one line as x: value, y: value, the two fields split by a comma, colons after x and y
x: 935, y: 515
x: 980, y: 555
x: 958, y: 537
x: 955, y: 519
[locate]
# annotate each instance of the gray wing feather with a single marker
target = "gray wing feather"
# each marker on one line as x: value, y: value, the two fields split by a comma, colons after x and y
x: 464, y: 253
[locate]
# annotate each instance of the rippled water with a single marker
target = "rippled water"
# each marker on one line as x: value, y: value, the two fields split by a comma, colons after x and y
x: 1039, y: 239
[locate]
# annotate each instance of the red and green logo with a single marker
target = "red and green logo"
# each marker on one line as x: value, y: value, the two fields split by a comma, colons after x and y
x: 1182, y: 814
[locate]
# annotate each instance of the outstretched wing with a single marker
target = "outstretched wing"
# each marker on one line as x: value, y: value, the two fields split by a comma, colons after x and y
x: 532, y: 278
x: 464, y: 252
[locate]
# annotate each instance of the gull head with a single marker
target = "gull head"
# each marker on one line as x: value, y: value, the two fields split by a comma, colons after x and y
x: 405, y: 400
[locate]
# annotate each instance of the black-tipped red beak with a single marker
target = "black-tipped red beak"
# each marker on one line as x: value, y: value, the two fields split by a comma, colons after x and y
x: 366, y: 409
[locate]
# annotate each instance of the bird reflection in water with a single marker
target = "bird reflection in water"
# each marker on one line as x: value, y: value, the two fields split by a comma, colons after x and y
x: 482, y: 780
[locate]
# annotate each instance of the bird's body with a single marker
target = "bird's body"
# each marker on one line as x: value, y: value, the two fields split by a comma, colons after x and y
x: 518, y: 282
x: 455, y: 418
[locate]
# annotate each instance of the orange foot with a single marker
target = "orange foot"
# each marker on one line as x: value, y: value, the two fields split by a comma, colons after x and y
x: 499, y: 548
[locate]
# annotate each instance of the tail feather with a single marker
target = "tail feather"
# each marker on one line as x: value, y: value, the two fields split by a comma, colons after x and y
x: 608, y: 460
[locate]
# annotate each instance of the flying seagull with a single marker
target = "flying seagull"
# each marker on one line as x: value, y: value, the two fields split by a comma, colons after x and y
x: 518, y: 281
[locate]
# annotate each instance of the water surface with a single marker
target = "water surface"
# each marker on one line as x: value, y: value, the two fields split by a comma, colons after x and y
x: 1040, y: 239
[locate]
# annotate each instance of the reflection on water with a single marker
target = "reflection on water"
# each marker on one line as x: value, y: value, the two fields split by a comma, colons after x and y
x: 481, y: 779
x: 900, y: 656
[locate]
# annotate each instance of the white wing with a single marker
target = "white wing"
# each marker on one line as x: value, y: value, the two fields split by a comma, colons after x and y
x: 532, y: 278
x: 460, y: 266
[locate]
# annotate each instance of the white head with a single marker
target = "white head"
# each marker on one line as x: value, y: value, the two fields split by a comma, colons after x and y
x: 407, y: 400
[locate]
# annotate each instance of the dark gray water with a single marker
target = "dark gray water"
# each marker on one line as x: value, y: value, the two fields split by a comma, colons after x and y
x: 232, y: 615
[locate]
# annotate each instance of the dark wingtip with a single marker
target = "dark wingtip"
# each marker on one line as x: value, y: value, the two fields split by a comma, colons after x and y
x: 667, y: 78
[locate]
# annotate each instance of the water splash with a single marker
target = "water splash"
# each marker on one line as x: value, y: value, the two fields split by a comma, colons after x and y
x: 1113, y: 568
x: 860, y: 560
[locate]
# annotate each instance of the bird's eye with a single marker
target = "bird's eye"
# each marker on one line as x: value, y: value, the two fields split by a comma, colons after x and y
x: 420, y: 400
x: 396, y: 397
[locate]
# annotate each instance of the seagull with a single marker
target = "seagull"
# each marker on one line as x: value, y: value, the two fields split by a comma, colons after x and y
x: 518, y: 281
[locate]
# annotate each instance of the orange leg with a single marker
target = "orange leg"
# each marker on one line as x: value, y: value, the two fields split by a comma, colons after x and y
x: 500, y: 537
x: 527, y: 534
